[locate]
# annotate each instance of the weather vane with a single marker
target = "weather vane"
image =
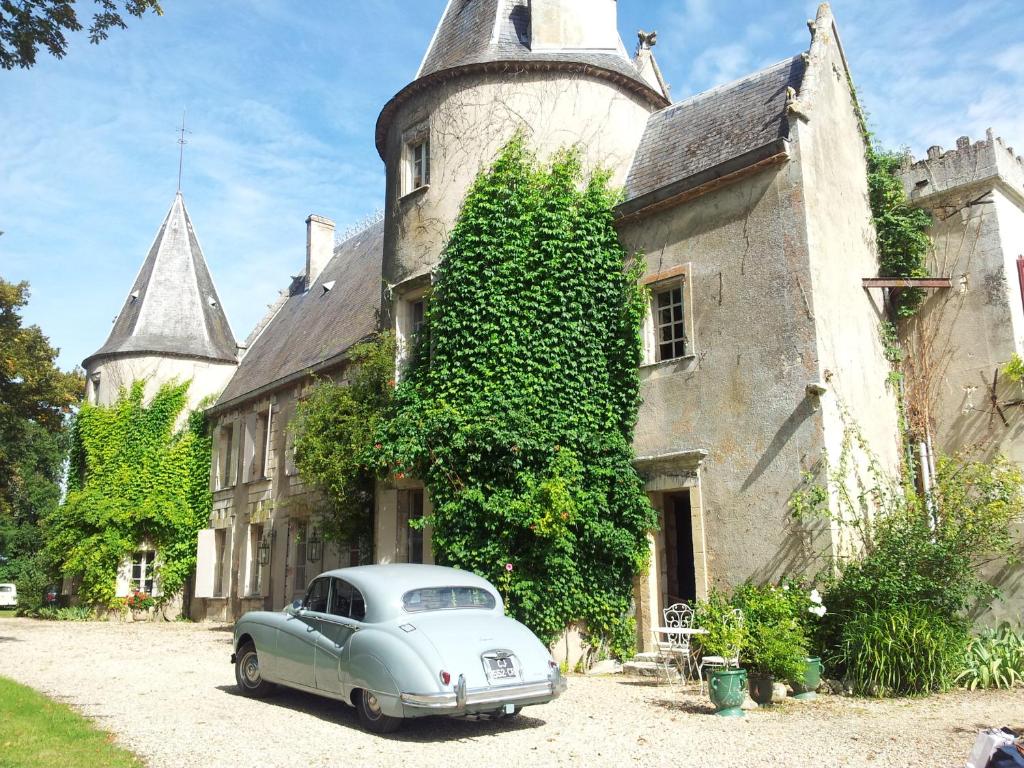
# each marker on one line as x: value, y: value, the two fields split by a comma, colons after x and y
x: 181, y: 149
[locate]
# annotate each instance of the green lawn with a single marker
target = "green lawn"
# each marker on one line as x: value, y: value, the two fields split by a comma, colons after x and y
x: 6, y: 613
x: 40, y: 733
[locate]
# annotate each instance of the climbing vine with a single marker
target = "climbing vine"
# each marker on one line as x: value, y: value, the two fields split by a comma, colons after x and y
x: 134, y: 478
x: 334, y: 436
x: 901, y: 229
x: 519, y: 405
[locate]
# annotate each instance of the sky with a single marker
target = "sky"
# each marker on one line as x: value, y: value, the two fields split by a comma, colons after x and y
x: 282, y: 97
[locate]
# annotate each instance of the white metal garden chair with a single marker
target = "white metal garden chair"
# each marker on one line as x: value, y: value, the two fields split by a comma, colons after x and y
x: 730, y: 661
x: 674, y: 649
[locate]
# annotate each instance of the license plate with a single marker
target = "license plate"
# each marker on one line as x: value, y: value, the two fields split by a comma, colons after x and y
x: 501, y: 669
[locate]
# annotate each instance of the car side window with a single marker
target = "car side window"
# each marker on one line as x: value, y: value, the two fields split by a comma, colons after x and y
x: 316, y: 597
x: 347, y: 601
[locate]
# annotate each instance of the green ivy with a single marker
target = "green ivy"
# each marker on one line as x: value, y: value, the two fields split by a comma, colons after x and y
x: 334, y: 435
x: 519, y: 404
x: 133, y: 477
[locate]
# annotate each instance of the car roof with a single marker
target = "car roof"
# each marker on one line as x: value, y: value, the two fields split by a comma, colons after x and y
x: 384, y: 585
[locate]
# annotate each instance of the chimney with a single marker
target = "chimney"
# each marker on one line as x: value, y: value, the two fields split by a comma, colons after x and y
x: 574, y: 25
x: 319, y: 246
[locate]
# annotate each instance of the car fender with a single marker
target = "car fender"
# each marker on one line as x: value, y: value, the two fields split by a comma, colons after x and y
x: 261, y: 627
x: 370, y: 673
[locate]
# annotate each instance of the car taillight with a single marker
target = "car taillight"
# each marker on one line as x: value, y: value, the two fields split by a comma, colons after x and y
x: 552, y: 664
x: 445, y: 677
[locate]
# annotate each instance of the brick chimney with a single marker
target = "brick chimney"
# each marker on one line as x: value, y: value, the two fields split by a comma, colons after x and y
x: 319, y: 246
x: 574, y: 25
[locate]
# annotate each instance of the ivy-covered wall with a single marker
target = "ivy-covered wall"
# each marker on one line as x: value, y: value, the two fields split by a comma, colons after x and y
x: 134, y: 477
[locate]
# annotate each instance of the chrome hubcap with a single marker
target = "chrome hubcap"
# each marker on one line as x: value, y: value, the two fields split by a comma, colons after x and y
x: 372, y: 705
x: 251, y: 670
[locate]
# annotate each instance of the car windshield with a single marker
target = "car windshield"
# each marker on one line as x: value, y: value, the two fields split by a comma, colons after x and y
x: 5, y: 588
x: 447, y: 599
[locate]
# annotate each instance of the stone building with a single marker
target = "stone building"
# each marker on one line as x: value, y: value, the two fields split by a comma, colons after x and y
x: 965, y: 334
x: 171, y: 328
x: 749, y: 204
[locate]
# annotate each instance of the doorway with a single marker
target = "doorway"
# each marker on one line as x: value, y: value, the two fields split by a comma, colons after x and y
x: 681, y: 572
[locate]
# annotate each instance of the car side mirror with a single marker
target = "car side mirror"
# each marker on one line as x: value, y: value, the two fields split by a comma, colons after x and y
x: 295, y: 608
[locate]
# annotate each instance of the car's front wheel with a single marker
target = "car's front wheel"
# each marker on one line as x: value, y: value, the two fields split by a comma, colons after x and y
x: 372, y: 717
x: 247, y: 673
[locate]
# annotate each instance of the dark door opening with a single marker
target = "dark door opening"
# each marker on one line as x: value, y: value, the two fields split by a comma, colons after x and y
x: 682, y: 574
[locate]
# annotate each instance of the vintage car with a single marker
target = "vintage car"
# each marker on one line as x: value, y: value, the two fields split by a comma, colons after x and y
x: 8, y: 596
x: 398, y: 641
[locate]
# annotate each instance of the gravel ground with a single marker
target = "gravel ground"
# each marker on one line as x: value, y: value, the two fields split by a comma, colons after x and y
x: 167, y: 692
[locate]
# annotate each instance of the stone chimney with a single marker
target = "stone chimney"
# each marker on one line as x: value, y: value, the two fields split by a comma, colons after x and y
x: 574, y: 25
x: 319, y: 246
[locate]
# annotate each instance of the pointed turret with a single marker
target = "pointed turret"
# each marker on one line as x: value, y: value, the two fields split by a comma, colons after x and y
x: 173, y: 307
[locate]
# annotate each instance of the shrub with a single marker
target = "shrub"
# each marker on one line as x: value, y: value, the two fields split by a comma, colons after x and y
x: 994, y: 659
x: 715, y: 617
x: 901, y: 650
x: 775, y: 642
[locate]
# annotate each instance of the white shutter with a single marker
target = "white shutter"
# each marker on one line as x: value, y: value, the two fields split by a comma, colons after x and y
x: 124, y: 576
x: 206, y: 562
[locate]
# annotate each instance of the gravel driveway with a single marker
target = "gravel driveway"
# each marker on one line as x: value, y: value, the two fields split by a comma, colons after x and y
x: 167, y: 691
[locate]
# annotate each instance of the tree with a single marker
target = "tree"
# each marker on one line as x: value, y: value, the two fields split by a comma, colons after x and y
x: 27, y: 25
x: 519, y: 406
x: 35, y: 400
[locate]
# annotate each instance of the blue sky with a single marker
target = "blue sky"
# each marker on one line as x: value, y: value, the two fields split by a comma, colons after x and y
x: 282, y: 97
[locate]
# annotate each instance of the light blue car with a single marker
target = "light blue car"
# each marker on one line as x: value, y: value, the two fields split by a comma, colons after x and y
x: 398, y: 641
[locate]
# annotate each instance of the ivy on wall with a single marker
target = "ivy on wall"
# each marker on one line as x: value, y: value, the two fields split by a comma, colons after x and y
x: 133, y: 478
x: 334, y: 437
x: 519, y: 405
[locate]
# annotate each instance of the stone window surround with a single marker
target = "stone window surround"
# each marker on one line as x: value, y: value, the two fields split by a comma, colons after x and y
x: 413, y: 138
x: 226, y: 468
x: 659, y: 283
x: 404, y: 298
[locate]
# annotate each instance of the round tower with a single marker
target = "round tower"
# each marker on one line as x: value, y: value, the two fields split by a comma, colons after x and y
x: 172, y: 325
x: 554, y: 69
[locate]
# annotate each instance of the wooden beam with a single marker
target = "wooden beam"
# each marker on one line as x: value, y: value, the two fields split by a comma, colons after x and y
x: 919, y: 282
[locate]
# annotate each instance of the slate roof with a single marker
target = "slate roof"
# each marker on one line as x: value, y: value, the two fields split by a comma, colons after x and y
x: 482, y: 31
x: 713, y: 128
x: 173, y: 307
x: 316, y: 326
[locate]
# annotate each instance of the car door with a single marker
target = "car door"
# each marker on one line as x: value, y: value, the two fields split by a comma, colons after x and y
x: 345, y: 611
x: 297, y: 639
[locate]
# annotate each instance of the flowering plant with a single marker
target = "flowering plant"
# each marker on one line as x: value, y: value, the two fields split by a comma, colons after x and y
x: 139, y: 601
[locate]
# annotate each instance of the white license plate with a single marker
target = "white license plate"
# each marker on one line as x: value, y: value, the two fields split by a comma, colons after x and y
x: 501, y: 669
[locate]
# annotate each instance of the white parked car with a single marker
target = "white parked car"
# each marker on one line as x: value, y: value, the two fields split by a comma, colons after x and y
x: 8, y: 595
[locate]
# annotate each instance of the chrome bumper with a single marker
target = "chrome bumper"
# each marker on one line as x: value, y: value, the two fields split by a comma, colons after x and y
x: 468, y: 701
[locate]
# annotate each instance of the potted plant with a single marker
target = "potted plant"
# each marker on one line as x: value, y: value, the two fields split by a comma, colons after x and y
x: 724, y: 638
x: 808, y: 609
x: 140, y: 604
x: 776, y: 642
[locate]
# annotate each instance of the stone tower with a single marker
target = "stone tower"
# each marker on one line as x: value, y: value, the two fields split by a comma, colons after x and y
x: 172, y: 325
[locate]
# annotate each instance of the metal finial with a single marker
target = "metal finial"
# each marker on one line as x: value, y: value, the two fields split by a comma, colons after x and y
x: 181, y: 148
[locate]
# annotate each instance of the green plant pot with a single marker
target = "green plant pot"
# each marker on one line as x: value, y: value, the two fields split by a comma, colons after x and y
x: 727, y: 688
x: 804, y: 689
x: 761, y: 689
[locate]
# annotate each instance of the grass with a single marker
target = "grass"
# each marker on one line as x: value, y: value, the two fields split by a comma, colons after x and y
x: 6, y: 613
x: 40, y: 733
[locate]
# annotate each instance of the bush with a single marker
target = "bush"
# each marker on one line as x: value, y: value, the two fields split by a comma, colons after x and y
x: 901, y: 650
x: 775, y: 642
x: 714, y: 616
x: 74, y: 613
x: 994, y: 659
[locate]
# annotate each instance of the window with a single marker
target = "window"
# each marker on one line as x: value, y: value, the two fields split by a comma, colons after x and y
x: 255, y: 569
x: 142, y: 572
x: 316, y: 596
x: 347, y: 601
x: 410, y: 508
x: 300, y: 557
x: 419, y: 163
x: 670, y: 324
x: 226, y: 457
x: 257, y: 446
x: 289, y: 454
x: 220, y: 542
x: 416, y: 311
x: 447, y: 599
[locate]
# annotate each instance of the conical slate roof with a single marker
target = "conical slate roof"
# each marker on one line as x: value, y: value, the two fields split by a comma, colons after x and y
x: 173, y: 307
x: 487, y: 31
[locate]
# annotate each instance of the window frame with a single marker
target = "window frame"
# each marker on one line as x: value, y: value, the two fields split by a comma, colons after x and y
x: 670, y: 299
x: 354, y: 591
x: 146, y: 576
x: 411, y: 539
x: 416, y: 152
x: 677, y: 278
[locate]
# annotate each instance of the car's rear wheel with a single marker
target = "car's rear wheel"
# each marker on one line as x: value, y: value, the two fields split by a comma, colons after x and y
x: 372, y: 717
x: 247, y: 673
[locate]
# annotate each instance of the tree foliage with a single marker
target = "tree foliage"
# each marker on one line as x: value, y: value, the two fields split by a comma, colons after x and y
x: 28, y: 25
x: 519, y: 404
x: 35, y: 400
x: 134, y: 478
x: 334, y: 437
